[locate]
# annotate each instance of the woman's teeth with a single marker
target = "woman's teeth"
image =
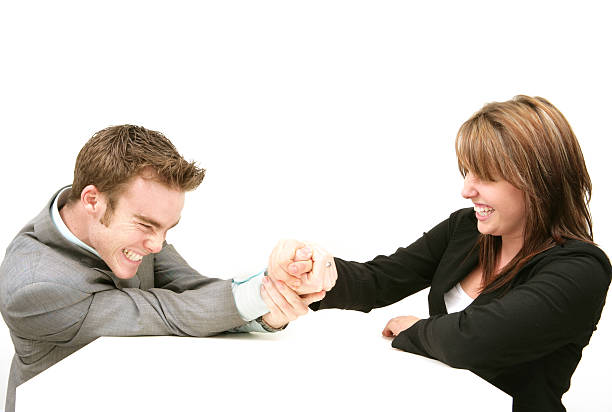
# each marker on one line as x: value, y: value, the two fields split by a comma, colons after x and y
x: 134, y: 257
x: 483, y: 211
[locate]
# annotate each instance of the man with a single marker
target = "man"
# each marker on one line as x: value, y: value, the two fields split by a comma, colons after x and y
x: 95, y: 262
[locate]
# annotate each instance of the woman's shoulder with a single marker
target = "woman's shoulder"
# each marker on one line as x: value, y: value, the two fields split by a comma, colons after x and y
x: 574, y: 259
x: 574, y: 248
x: 463, y: 221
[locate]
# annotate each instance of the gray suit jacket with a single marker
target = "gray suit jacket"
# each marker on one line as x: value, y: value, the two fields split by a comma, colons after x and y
x: 56, y: 298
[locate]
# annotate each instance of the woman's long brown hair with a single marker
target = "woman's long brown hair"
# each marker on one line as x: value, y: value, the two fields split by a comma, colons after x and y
x: 529, y: 143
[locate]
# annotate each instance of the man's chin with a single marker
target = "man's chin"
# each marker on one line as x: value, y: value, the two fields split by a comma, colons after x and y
x: 123, y: 275
x: 124, y: 270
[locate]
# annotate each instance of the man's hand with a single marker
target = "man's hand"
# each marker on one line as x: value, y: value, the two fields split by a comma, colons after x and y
x: 397, y: 325
x: 288, y: 261
x: 285, y: 305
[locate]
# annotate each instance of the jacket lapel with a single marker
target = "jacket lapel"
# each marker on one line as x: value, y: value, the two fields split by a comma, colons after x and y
x: 459, y: 260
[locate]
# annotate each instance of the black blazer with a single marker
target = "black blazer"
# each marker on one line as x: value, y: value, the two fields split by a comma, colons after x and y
x: 526, y: 340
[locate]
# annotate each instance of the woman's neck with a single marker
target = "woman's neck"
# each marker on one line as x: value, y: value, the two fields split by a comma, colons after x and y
x: 510, y: 247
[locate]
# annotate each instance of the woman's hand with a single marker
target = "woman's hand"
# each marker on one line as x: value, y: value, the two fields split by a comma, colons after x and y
x: 305, y: 267
x: 396, y: 325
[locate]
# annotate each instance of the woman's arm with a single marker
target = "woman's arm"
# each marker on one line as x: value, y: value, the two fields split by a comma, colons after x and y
x: 560, y: 304
x: 388, y: 279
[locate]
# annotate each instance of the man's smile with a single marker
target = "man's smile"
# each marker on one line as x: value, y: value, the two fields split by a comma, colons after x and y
x: 131, y: 255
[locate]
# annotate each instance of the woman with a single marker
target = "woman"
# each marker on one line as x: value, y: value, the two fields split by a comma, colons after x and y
x: 517, y: 285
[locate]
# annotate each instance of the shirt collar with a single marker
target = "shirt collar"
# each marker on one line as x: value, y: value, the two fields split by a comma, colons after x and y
x: 63, y: 229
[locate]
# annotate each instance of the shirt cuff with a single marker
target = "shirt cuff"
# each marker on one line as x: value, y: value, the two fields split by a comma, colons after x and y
x: 257, y: 325
x: 247, y: 295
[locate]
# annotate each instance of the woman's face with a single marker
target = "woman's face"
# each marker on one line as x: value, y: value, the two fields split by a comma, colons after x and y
x: 499, y: 207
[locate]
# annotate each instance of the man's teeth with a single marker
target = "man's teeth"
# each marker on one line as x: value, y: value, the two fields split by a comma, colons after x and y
x: 483, y: 211
x: 134, y: 257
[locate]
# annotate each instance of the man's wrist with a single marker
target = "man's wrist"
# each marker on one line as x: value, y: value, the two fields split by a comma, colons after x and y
x: 270, y: 328
x: 247, y: 294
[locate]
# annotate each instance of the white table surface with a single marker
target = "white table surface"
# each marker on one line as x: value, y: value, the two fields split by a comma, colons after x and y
x: 327, y: 360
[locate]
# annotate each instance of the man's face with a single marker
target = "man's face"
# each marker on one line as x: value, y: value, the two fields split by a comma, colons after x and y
x: 142, y: 216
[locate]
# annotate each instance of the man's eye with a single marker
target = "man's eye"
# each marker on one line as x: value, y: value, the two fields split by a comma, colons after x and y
x: 145, y: 226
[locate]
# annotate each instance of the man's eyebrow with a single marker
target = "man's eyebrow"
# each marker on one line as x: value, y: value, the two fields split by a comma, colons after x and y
x: 153, y: 222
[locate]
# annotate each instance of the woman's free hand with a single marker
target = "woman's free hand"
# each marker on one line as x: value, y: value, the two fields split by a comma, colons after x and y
x: 396, y: 325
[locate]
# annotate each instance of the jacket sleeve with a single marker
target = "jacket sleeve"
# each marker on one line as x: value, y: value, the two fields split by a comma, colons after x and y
x: 388, y: 279
x: 172, y: 272
x: 559, y: 304
x: 71, y: 313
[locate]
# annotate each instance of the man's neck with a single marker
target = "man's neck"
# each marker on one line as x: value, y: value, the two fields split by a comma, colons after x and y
x: 74, y: 220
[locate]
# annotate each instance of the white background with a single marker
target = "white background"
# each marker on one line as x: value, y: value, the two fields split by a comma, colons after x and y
x: 332, y: 121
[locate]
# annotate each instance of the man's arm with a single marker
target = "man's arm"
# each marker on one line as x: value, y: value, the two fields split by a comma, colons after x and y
x: 68, y: 317
x: 70, y: 304
x: 47, y: 296
x: 172, y: 272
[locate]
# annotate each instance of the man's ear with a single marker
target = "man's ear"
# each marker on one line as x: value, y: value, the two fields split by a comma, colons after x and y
x: 93, y: 201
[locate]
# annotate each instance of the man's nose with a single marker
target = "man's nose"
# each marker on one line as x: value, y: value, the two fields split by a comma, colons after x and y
x: 154, y: 243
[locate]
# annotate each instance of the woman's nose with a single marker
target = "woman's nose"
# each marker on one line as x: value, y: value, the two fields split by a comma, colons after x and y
x: 469, y: 189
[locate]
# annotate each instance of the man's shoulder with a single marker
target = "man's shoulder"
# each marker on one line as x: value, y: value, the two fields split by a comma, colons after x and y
x: 24, y: 251
x: 29, y: 262
x: 36, y: 280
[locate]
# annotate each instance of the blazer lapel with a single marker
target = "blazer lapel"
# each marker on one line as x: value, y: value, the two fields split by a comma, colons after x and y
x: 453, y: 267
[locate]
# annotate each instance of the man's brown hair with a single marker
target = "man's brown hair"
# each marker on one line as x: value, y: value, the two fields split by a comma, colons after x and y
x: 116, y: 154
x: 529, y: 143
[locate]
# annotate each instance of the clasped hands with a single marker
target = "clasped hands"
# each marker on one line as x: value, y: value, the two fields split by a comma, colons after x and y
x: 298, y: 275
